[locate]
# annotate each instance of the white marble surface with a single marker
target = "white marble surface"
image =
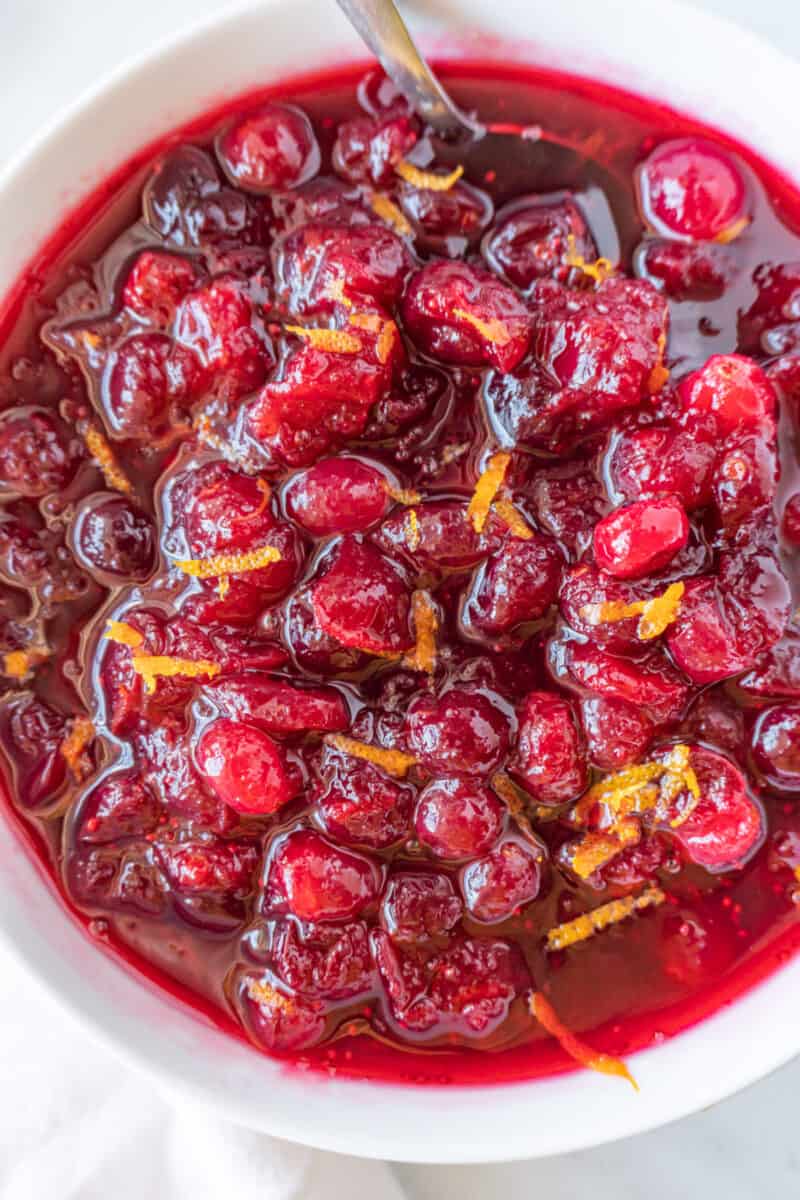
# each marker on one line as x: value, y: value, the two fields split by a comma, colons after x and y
x: 745, y: 1148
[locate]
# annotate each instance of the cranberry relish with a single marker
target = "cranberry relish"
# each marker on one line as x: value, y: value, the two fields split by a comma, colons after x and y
x: 397, y: 579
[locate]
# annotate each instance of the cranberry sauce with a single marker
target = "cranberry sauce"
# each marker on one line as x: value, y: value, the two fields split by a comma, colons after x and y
x: 399, y: 570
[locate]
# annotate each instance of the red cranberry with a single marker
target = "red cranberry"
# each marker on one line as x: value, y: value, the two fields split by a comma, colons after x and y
x: 417, y: 907
x: 617, y: 732
x: 367, y: 149
x: 338, y: 495
x: 715, y: 719
x: 148, y: 374
x: 633, y: 866
x: 37, y: 732
x: 447, y: 222
x: 120, y: 806
x: 362, y: 600
x: 316, y: 881
x: 210, y: 866
x: 461, y: 314
x: 216, y: 324
x: 551, y: 760
x: 360, y: 805
x: 125, y: 879
x: 702, y: 640
x: 790, y: 525
x: 244, y: 767
x: 642, y: 538
x: 586, y: 587
x: 460, y: 732
x: 692, y: 189
x: 278, y: 707
x: 113, y: 539
x: 518, y: 583
x: 377, y: 93
x: 745, y: 478
x: 183, y: 178
x: 770, y: 325
x: 777, y: 672
x: 35, y: 455
x: 281, y: 1023
x: 776, y: 746
x: 727, y: 825
x: 456, y: 819
x: 331, y: 961
x: 659, y: 461
x: 156, y: 284
x: 756, y: 591
x: 688, y: 272
x: 312, y: 648
x: 271, y: 148
x: 568, y: 501
x: 735, y: 390
x: 445, y: 537
x: 496, y: 886
x: 536, y: 239
x: 652, y: 684
x: 312, y: 264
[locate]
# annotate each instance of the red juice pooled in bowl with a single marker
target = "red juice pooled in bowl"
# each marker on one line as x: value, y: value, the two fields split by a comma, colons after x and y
x: 399, y: 571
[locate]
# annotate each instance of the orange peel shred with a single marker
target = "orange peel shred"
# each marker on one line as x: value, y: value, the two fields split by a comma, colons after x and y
x: 222, y: 565
x: 406, y: 496
x: 493, y: 330
x: 659, y: 376
x: 123, y: 634
x: 19, y: 663
x: 655, y: 615
x: 388, y: 211
x: 335, y: 341
x: 426, y: 626
x: 511, y: 517
x: 597, y: 848
x: 101, y: 452
x: 732, y: 232
x: 152, y: 667
x: 393, y: 762
x: 599, y: 269
x: 542, y: 1010
x: 431, y: 181
x: 413, y: 536
x: 73, y: 746
x: 487, y: 487
x: 598, y: 919
x: 265, y: 993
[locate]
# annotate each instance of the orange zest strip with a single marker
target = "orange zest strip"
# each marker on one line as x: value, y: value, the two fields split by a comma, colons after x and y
x: 412, y: 532
x: 426, y: 626
x: 335, y: 291
x: 103, y: 455
x: 429, y: 180
x: 509, y: 793
x: 599, y: 270
x: 393, y: 762
x: 606, y: 1064
x: 487, y: 487
x: 156, y: 666
x: 680, y: 777
x: 407, y: 496
x: 493, y: 330
x: 336, y: 341
x: 19, y: 663
x: 73, y: 746
x: 388, y: 211
x: 596, y: 849
x: 387, y: 338
x: 587, y: 925
x: 510, y: 515
x: 123, y: 634
x: 726, y: 236
x: 654, y: 615
x: 659, y: 376
x: 265, y: 993
x: 229, y: 564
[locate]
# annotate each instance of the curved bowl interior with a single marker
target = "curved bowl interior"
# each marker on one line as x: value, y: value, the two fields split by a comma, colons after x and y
x: 663, y: 49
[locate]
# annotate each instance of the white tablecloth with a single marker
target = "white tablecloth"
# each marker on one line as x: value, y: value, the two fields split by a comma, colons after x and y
x: 74, y: 1124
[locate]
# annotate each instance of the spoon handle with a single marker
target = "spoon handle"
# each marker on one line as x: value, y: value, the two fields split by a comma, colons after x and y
x: 385, y: 33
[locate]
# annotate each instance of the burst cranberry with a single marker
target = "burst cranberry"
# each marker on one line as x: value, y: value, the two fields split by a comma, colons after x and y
x: 777, y: 672
x: 367, y: 150
x: 771, y: 324
x: 702, y: 640
x: 496, y: 886
x: 210, y: 866
x: 652, y: 684
x: 280, y: 1022
x: 516, y: 584
x: 36, y: 456
x: 447, y: 222
x: 642, y: 538
x: 617, y: 732
x: 692, y: 189
x: 121, y: 806
x: 441, y: 539
x: 790, y: 525
x: 216, y: 324
x: 776, y: 745
x: 312, y: 648
x: 36, y: 734
x: 661, y: 461
x: 727, y: 824
x: 745, y: 479
x: 315, y: 263
x: 534, y: 240
x: 114, y: 540
x: 568, y: 502
x: 339, y: 495
x: 277, y: 706
x: 688, y: 272
x: 316, y: 881
x: 456, y: 819
x: 126, y: 879
x: 735, y: 390
x: 157, y: 283
x: 584, y: 590
x: 550, y: 762
x: 461, y: 314
x: 331, y: 961
x: 362, y: 600
x: 244, y: 767
x: 459, y: 732
x: 271, y: 148
x: 361, y: 805
x: 148, y: 375
x: 417, y: 907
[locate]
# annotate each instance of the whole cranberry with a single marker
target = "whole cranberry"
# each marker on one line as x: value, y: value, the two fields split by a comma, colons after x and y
x: 702, y: 640
x: 122, y: 805
x: 456, y: 819
x: 584, y: 589
x: 550, y: 762
x: 417, y: 906
x: 659, y: 461
x: 360, y: 805
x: 735, y: 391
x: 367, y: 149
x: 444, y: 537
x: 777, y: 673
x: 459, y: 732
x: 362, y: 600
x: 308, y: 876
x: 36, y: 456
x: 518, y: 583
x: 277, y: 706
x: 156, y: 284
x: 496, y: 886
x: 568, y: 501
x: 180, y: 180
x: 691, y: 188
x: 113, y: 539
x: 280, y: 1022
x: 337, y: 495
x: 216, y: 323
x: 685, y: 271
x: 776, y: 745
x: 244, y: 767
x: 269, y: 149
x: 536, y: 237
x: 446, y: 222
x: 463, y: 315
x: 640, y: 539
x: 651, y: 683
x: 617, y: 732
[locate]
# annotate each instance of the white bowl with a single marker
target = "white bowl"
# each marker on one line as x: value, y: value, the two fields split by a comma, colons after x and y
x: 661, y: 48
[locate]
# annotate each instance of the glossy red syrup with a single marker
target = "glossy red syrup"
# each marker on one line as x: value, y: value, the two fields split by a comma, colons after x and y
x: 353, y: 915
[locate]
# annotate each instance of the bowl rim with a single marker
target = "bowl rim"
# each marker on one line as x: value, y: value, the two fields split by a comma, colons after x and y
x: 388, y: 1120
